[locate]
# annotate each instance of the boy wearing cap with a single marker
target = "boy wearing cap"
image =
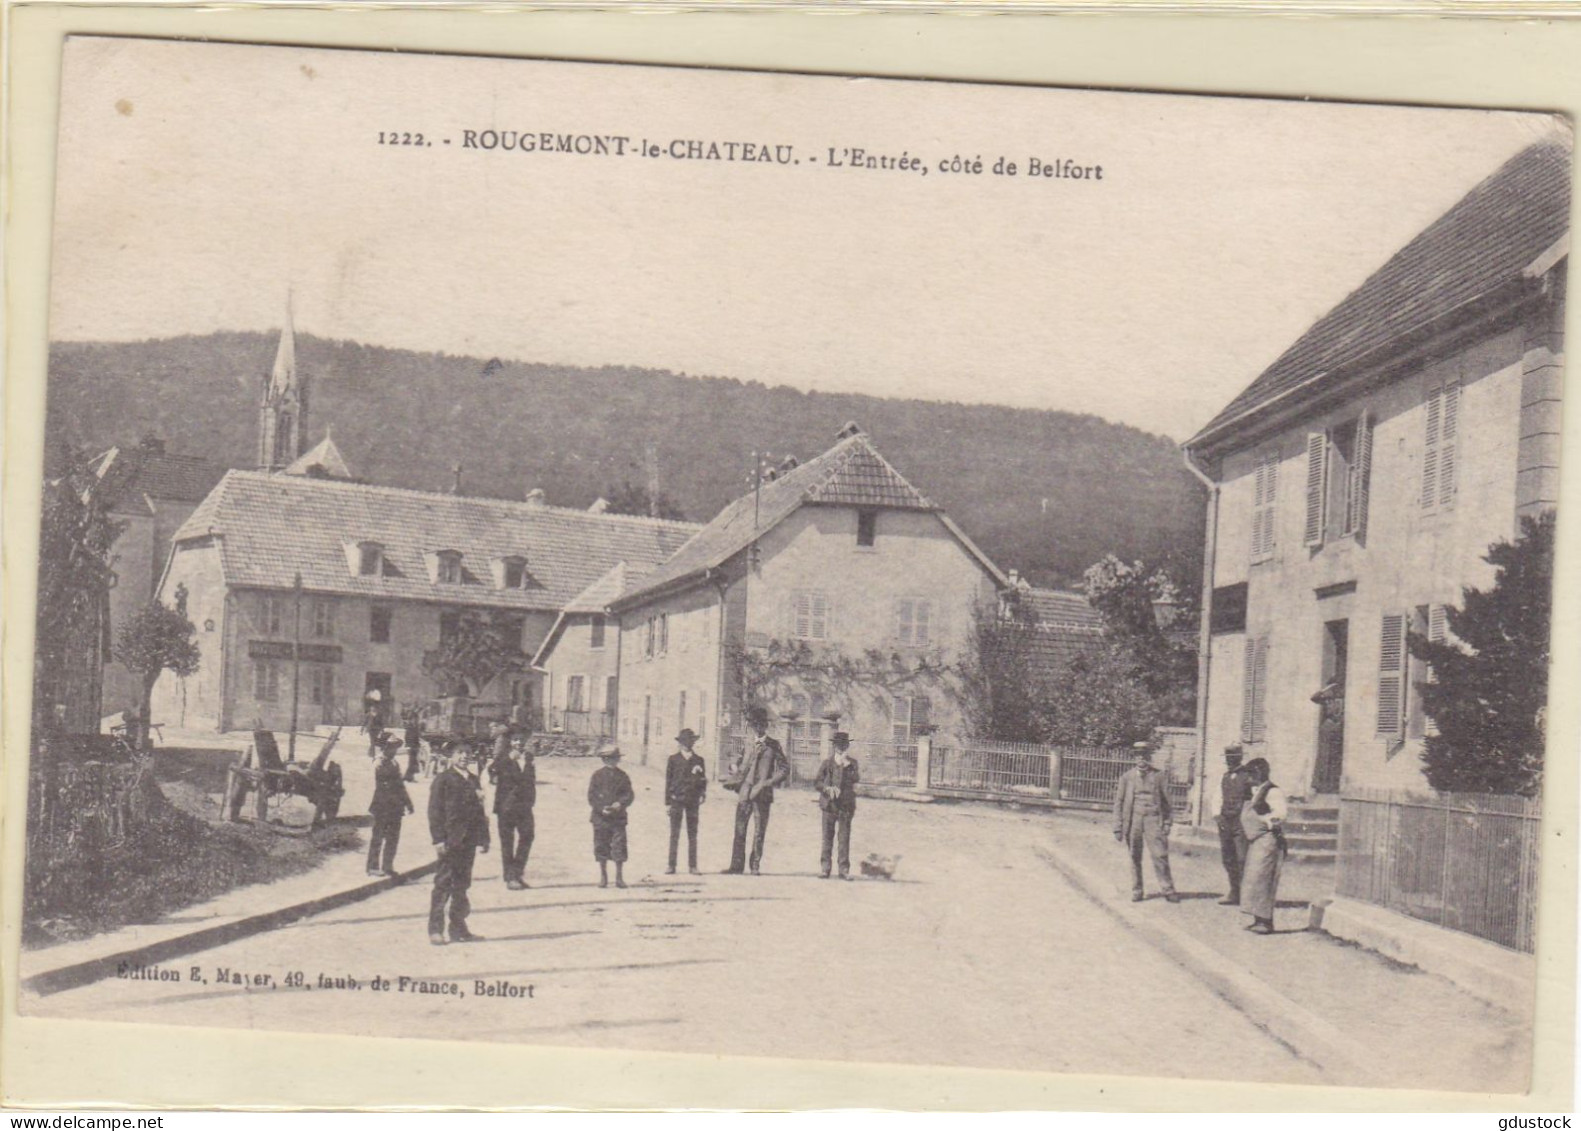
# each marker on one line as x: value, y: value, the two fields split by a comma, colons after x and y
x: 685, y: 787
x: 1142, y: 818
x: 609, y: 795
x: 836, y: 783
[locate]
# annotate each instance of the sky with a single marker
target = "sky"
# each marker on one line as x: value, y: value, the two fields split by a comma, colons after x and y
x: 201, y: 184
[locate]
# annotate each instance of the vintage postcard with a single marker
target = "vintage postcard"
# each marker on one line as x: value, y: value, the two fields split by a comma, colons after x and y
x: 614, y: 557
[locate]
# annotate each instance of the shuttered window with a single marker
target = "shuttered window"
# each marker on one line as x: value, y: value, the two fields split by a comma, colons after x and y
x: 1358, y: 494
x: 1440, y: 454
x: 1391, y: 677
x: 266, y: 681
x: 1316, y: 489
x: 1254, y: 695
x: 1265, y: 491
x: 809, y: 616
x: 912, y: 620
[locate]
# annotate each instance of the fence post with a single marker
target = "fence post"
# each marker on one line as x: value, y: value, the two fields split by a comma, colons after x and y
x: 1055, y: 767
x: 924, y: 761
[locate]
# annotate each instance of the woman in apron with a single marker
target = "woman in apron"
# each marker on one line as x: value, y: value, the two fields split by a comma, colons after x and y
x: 1262, y: 820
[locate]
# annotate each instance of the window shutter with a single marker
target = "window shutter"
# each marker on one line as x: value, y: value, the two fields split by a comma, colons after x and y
x: 1260, y: 692
x: 1317, y: 487
x: 820, y: 616
x: 1437, y: 633
x: 1435, y: 407
x: 1448, y: 442
x: 1391, y: 676
x: 920, y: 630
x: 903, y: 620
x: 1249, y: 689
x: 802, y: 614
x: 1360, y: 479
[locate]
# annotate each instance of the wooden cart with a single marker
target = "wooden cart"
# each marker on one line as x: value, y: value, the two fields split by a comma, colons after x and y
x: 262, y: 773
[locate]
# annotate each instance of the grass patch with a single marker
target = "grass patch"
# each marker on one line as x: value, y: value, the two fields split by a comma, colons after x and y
x: 176, y: 855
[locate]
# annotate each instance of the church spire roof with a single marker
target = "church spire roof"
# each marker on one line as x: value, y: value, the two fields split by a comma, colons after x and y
x: 283, y: 378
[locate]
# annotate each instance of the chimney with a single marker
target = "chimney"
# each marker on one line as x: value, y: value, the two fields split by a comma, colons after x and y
x: 600, y: 505
x: 852, y: 428
x: 789, y: 463
x: 455, y: 482
x: 1015, y: 579
x: 535, y: 497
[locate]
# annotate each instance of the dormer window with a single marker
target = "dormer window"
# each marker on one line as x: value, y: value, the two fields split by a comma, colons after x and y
x: 370, y: 559
x: 448, y: 571
x: 510, y: 572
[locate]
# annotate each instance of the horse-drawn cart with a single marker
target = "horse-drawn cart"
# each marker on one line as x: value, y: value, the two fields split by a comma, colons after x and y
x: 262, y: 773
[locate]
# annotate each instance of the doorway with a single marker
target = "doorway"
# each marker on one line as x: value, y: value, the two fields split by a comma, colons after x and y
x: 1328, y: 770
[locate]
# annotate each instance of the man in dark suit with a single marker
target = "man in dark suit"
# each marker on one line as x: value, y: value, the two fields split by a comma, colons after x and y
x: 460, y: 829
x: 685, y: 786
x: 389, y: 807
x: 1234, y: 789
x: 836, y: 784
x: 515, y: 794
x: 1142, y: 818
x: 763, y: 767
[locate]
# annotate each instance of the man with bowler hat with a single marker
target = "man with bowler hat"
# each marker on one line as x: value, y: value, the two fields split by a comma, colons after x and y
x: 515, y: 793
x: 836, y: 783
x: 685, y: 787
x: 762, y: 767
x: 460, y: 829
x: 390, y: 805
x: 1234, y: 790
x: 1142, y: 818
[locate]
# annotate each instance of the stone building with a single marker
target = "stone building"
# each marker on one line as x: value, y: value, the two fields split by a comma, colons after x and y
x: 835, y: 591
x: 150, y: 493
x: 1359, y: 480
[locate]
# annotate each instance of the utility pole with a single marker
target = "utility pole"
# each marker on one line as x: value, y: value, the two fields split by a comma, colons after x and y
x: 296, y: 665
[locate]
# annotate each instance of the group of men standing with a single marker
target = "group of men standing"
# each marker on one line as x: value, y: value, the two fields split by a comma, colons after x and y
x: 460, y: 829
x: 1251, y: 838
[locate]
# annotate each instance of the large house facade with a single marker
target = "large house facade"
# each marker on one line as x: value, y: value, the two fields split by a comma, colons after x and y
x: 1358, y: 482
x: 835, y: 594
x: 310, y: 589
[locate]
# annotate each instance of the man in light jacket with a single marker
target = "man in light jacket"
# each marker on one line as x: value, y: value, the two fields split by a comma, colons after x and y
x: 764, y: 766
x: 1142, y: 819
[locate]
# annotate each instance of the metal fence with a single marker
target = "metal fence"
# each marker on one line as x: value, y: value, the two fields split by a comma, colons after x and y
x: 590, y: 724
x: 994, y: 769
x: 886, y: 763
x: 1467, y: 862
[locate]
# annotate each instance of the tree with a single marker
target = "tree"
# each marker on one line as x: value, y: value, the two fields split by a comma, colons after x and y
x: 157, y: 639
x: 1131, y: 599
x: 1098, y: 701
x: 74, y: 579
x: 1003, y: 684
x: 1488, y: 689
x: 469, y: 658
x: 629, y: 498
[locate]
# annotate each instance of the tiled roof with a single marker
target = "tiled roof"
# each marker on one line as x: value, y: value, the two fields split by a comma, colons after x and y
x: 275, y: 525
x: 1061, y: 607
x: 136, y: 471
x: 851, y: 473
x: 597, y: 596
x: 325, y: 454
x: 1051, y: 647
x: 1483, y: 242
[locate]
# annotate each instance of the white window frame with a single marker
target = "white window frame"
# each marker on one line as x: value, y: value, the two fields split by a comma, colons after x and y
x: 271, y: 615
x: 323, y: 627
x: 447, y: 569
x: 370, y: 559
x: 904, y: 720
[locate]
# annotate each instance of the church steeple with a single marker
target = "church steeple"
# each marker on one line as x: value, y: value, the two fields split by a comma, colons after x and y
x: 282, y: 415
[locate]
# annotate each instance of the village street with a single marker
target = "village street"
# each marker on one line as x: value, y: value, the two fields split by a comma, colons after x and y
x: 978, y: 953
